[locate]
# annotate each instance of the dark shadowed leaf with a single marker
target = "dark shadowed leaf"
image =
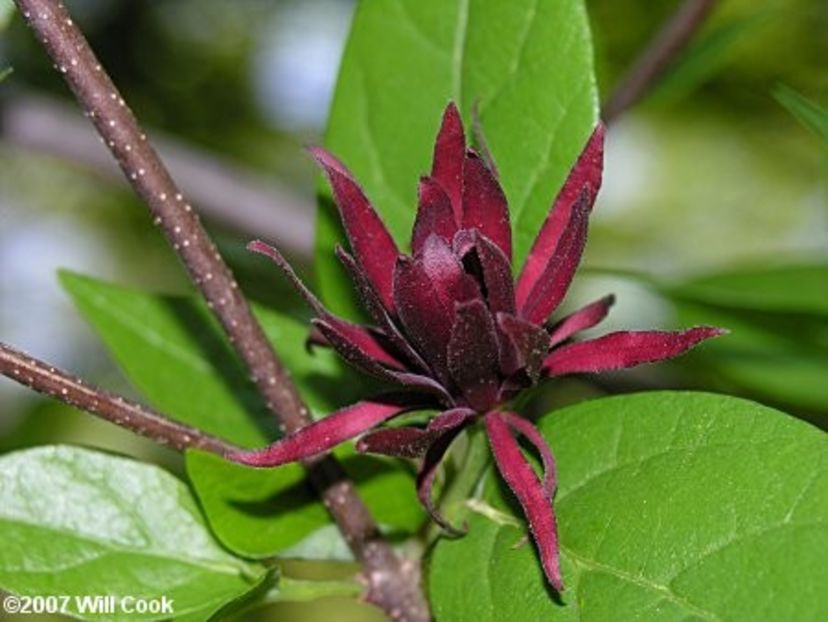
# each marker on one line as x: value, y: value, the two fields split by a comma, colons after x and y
x: 261, y: 512
x: 785, y: 289
x: 173, y: 351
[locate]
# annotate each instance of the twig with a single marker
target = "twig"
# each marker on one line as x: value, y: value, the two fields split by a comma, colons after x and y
x: 392, y: 583
x: 71, y: 390
x: 242, y: 199
x: 668, y: 42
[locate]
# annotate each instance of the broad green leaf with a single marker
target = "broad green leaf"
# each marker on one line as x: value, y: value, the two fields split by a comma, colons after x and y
x: 528, y: 66
x: 173, y: 350
x: 811, y: 115
x: 261, y: 512
x: 175, y: 353
x: 671, y: 506
x: 785, y: 289
x: 772, y: 357
x: 76, y: 522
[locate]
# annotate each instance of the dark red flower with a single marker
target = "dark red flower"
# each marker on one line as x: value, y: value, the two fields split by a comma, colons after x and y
x: 453, y: 329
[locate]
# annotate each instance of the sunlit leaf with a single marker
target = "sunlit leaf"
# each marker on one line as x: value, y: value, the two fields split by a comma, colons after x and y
x: 671, y: 506
x: 77, y: 522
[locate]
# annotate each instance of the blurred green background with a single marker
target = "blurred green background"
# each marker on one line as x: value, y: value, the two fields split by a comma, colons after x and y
x: 709, y: 173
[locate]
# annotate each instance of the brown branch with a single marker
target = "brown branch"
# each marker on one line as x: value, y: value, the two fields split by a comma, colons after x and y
x: 71, y: 390
x: 237, y: 197
x: 665, y: 46
x: 392, y: 583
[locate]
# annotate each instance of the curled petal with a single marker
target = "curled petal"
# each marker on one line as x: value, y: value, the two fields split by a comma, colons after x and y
x: 314, y: 339
x: 449, y: 154
x: 530, y: 433
x: 372, y: 303
x: 359, y: 336
x: 267, y: 250
x: 473, y: 354
x: 552, y: 285
x: 522, y: 346
x: 585, y: 175
x: 582, y: 319
x: 434, y: 215
x: 624, y: 349
x: 360, y: 358
x: 484, y: 204
x: 409, y: 442
x: 395, y: 442
x: 447, y: 426
x: 372, y: 245
x: 532, y: 495
x: 446, y: 272
x: 487, y: 263
x: 324, y: 434
x: 423, y: 314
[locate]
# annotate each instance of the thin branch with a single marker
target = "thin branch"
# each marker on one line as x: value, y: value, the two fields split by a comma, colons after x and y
x: 71, y: 390
x: 242, y: 199
x: 663, y: 49
x: 392, y: 583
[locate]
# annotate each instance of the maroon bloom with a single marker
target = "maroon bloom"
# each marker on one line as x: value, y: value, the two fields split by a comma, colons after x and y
x: 454, y: 331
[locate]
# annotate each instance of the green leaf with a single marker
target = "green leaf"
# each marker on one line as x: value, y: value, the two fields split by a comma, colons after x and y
x: 175, y: 353
x: 173, y: 350
x: 671, y: 506
x: 527, y: 64
x: 808, y: 113
x: 261, y: 512
x: 76, y: 522
x: 784, y: 289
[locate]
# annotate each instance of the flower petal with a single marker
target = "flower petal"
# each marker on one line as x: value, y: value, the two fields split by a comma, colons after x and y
x: 583, y: 318
x: 372, y: 245
x: 473, y: 354
x: 530, y: 433
x: 446, y: 272
x: 423, y: 314
x: 522, y: 346
x: 449, y: 155
x: 585, y: 174
x: 484, y: 204
x: 447, y: 426
x: 361, y: 358
x: 551, y: 287
x: 262, y: 248
x: 435, y: 215
x: 359, y: 336
x: 496, y: 274
x: 402, y: 442
x: 326, y: 433
x: 410, y: 442
x: 532, y: 495
x: 624, y: 349
x: 372, y: 303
